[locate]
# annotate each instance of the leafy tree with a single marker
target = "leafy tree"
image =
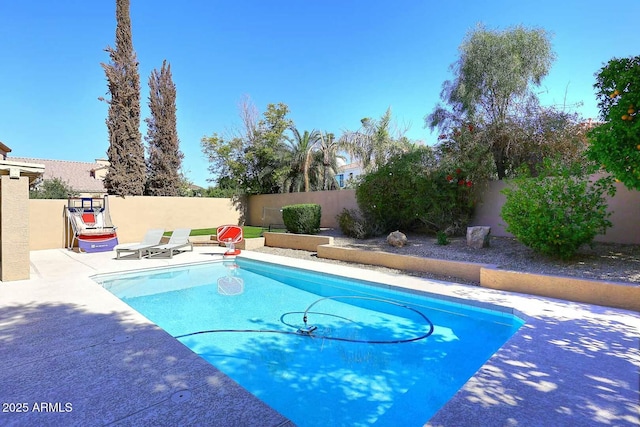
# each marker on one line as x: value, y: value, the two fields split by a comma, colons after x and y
x: 615, y: 144
x: 219, y: 192
x: 559, y: 210
x: 165, y: 157
x: 375, y: 142
x: 262, y: 158
x: 254, y: 157
x: 462, y: 148
x: 267, y: 170
x: 413, y: 192
x: 53, y: 188
x: 127, y: 167
x: 492, y: 87
x: 550, y: 133
x: 540, y: 133
x: 186, y: 188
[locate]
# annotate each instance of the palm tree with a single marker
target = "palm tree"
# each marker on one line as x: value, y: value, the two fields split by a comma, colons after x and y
x: 375, y: 142
x: 301, y: 153
x: 327, y: 156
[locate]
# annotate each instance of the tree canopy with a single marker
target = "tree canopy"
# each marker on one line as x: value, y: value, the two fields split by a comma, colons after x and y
x: 270, y: 155
x: 491, y: 89
x: 53, y: 188
x: 252, y: 158
x: 375, y: 142
x: 615, y: 143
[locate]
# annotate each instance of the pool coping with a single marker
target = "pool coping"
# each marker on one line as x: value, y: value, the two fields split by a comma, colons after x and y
x: 570, y: 364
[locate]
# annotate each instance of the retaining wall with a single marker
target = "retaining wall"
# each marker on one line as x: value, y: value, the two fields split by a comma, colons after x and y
x: 609, y: 294
x: 462, y: 270
x: 304, y: 242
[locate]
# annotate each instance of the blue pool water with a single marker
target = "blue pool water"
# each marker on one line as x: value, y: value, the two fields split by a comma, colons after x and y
x: 251, y: 314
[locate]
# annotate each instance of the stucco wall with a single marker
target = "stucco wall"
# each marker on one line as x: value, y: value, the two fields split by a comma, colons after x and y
x: 46, y: 224
x: 132, y: 216
x: 14, y: 228
x: 625, y: 206
x: 332, y: 203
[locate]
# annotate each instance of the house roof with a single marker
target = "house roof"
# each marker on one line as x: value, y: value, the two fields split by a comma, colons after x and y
x: 4, y: 150
x: 351, y: 167
x: 77, y: 175
x: 30, y: 170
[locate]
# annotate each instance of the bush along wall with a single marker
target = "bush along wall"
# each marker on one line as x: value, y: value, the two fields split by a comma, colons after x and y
x: 412, y: 192
x: 302, y: 218
x: 559, y: 210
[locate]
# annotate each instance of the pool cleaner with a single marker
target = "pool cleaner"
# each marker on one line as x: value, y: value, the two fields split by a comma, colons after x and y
x: 307, y: 330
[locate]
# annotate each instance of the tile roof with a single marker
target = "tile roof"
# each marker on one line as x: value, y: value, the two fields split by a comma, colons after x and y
x: 75, y: 174
x: 353, y: 167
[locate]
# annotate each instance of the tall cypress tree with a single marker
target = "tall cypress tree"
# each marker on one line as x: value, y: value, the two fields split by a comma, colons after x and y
x: 165, y: 157
x: 127, y: 168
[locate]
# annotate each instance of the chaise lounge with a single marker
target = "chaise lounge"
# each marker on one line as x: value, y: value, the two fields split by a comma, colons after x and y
x: 179, y: 239
x: 151, y: 239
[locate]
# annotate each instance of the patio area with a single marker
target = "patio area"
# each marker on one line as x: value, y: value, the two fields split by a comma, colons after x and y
x: 74, y: 354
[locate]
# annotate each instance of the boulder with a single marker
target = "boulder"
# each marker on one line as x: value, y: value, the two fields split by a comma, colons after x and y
x: 478, y: 237
x: 397, y: 239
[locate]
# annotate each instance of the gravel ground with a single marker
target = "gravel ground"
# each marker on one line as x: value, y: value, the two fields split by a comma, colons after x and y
x: 602, y: 261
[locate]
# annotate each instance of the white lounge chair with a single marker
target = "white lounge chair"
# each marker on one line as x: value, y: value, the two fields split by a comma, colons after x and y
x: 179, y: 239
x: 152, y: 238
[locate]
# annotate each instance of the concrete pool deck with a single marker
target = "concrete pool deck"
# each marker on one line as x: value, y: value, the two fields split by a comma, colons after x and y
x: 74, y: 354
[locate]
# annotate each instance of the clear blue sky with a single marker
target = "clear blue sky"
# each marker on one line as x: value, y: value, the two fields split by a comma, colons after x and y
x: 332, y: 62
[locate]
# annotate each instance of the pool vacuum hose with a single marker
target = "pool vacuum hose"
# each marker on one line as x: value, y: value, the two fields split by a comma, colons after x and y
x: 307, y: 330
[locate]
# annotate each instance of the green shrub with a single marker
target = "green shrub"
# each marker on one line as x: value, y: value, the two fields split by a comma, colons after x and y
x: 558, y: 211
x: 411, y: 192
x: 443, y: 239
x: 302, y: 219
x: 352, y: 224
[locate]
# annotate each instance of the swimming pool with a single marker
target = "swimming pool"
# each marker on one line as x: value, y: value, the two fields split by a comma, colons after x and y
x: 321, y: 349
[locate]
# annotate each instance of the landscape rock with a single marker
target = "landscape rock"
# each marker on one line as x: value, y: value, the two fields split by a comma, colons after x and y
x: 397, y: 239
x: 478, y: 237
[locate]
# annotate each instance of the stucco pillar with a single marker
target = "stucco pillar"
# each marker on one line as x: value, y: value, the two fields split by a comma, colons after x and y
x: 14, y: 228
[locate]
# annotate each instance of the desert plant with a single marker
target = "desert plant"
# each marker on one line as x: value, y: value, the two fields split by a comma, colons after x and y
x: 558, y: 211
x: 352, y: 224
x: 302, y: 218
